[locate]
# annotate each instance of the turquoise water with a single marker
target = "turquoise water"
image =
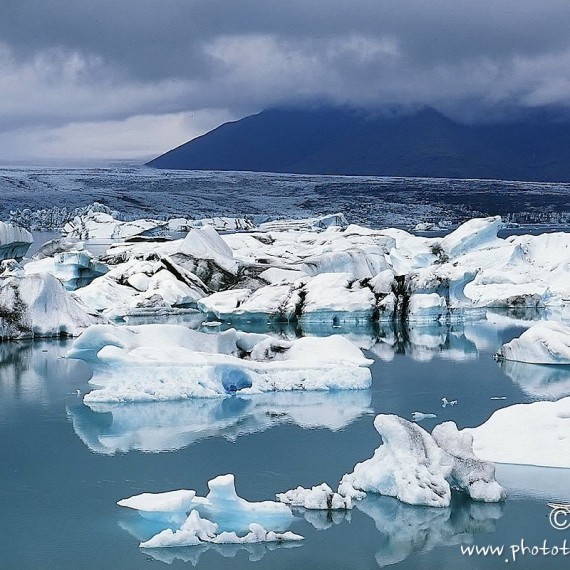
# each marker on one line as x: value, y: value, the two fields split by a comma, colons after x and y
x: 65, y: 465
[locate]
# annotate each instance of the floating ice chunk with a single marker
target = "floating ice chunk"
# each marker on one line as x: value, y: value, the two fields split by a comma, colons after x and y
x: 469, y: 473
x: 14, y: 241
x: 319, y: 223
x: 547, y: 342
x: 256, y: 534
x: 140, y: 286
x: 221, y: 509
x: 194, y: 530
x: 426, y: 307
x: 205, y: 243
x: 231, y: 512
x: 74, y: 268
x: 529, y: 434
x: 319, y: 497
x: 420, y: 416
x: 58, y: 245
x: 101, y: 225
x: 445, y: 402
x: 238, y: 304
x: 409, y: 465
x: 171, y: 502
x: 361, y: 262
x: 473, y: 234
x: 39, y: 306
x: 221, y: 223
x: 223, y: 303
x: 337, y: 297
x: 277, y: 275
x: 188, y: 363
x: 417, y: 468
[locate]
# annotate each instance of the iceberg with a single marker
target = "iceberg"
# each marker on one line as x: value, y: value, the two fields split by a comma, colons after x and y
x: 141, y: 287
x: 412, y: 466
x: 469, y: 474
x: 547, y: 342
x: 102, y: 225
x: 409, y: 465
x: 420, y: 469
x: 334, y: 274
x: 74, y: 268
x: 528, y: 434
x: 319, y: 497
x: 220, y: 223
x: 188, y: 363
x: 171, y: 506
x: 14, y: 241
x: 216, y: 518
x: 38, y: 305
x: 304, y: 224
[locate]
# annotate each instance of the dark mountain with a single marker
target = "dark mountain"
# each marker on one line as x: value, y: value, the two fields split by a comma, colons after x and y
x: 341, y: 141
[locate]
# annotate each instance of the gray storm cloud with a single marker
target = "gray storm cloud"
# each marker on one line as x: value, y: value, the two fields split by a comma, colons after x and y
x: 98, y: 63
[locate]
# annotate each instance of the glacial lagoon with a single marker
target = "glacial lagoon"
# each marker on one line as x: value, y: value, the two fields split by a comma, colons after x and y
x: 66, y: 464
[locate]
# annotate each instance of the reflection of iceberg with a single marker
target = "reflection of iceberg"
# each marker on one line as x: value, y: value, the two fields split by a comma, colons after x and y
x: 540, y: 381
x: 167, y: 426
x: 192, y: 555
x: 409, y: 530
x: 323, y: 520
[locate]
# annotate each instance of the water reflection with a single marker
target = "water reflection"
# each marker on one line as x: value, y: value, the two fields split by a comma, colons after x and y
x: 539, y: 381
x: 407, y: 530
x: 420, y: 341
x: 168, y: 426
x: 323, y: 520
x: 529, y: 481
x: 25, y: 367
x: 255, y: 552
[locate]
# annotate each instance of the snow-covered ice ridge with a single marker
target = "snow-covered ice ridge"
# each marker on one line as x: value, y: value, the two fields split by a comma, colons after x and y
x: 337, y: 275
x: 190, y: 520
x: 411, y: 465
x: 171, y: 362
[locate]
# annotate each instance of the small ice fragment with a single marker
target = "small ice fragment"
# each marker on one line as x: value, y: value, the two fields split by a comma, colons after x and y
x: 420, y: 416
x: 445, y: 402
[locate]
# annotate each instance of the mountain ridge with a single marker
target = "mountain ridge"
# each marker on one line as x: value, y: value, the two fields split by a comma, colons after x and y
x: 340, y: 141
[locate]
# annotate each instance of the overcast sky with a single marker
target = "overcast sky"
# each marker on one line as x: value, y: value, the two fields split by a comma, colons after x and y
x: 83, y: 79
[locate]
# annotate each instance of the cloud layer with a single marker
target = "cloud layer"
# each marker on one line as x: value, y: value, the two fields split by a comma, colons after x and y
x: 98, y: 77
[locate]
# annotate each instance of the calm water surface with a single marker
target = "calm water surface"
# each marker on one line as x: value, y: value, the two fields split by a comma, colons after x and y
x: 65, y: 465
